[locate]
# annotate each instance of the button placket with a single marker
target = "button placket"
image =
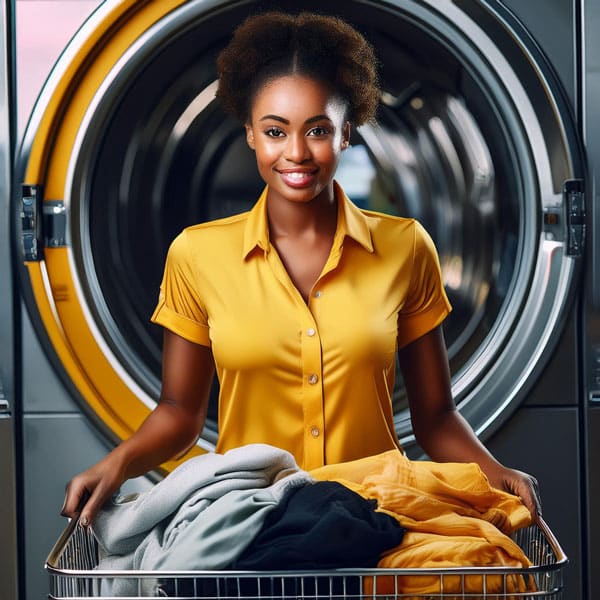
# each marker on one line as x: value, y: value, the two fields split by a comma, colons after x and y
x: 313, y: 400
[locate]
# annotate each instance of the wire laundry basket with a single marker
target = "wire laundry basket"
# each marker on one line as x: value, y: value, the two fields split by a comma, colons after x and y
x: 72, y: 567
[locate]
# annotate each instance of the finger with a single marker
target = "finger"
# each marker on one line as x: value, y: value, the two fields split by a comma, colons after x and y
x: 93, y: 505
x: 537, y: 498
x: 530, y: 495
x: 75, y: 499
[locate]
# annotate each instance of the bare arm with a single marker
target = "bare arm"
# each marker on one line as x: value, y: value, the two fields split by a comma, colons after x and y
x: 169, y: 430
x: 438, y: 426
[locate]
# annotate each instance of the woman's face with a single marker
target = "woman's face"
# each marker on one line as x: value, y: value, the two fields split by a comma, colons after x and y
x: 298, y: 130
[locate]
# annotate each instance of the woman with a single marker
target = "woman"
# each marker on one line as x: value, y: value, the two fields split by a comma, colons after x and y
x: 302, y: 302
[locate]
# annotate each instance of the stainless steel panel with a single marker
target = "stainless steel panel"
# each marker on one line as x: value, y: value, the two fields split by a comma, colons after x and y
x: 593, y: 487
x: 6, y: 164
x: 590, y: 75
x: 558, y: 384
x: 545, y: 442
x: 43, y: 390
x: 8, y: 504
x: 554, y: 33
x: 8, y: 508
x: 590, y: 24
x: 55, y: 447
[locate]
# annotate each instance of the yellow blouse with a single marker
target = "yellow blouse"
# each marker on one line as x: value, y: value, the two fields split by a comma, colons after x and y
x: 315, y: 379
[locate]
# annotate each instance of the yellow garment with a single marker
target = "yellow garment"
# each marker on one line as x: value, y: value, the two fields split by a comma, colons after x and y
x: 453, y: 517
x: 312, y: 379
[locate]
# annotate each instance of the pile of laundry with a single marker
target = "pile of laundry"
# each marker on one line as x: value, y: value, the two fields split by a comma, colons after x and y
x: 253, y: 508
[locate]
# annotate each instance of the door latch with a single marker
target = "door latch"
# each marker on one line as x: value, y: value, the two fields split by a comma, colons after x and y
x: 574, y: 196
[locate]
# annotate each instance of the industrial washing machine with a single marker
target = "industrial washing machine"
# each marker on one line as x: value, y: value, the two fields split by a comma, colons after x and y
x: 485, y: 134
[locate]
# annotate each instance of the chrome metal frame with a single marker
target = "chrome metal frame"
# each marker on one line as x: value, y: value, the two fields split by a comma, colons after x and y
x: 73, y: 568
x: 8, y: 505
x: 590, y: 94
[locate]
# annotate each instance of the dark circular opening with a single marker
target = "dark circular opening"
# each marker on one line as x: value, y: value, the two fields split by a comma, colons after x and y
x: 167, y: 158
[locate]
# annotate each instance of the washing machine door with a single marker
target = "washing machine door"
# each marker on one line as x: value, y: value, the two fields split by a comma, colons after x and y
x: 126, y: 146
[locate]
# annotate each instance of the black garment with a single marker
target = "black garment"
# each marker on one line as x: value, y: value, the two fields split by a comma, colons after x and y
x: 317, y: 527
x: 324, y: 525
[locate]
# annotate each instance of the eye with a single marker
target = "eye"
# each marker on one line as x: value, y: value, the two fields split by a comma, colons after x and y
x: 274, y: 132
x: 320, y: 131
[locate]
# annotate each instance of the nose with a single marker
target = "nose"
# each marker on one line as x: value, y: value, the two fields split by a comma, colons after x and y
x: 297, y: 149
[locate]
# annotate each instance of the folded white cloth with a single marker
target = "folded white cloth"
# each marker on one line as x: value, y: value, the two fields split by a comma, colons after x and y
x: 201, y: 516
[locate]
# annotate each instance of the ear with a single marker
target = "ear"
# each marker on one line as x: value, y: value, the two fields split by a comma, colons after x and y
x: 249, y: 136
x: 346, y: 135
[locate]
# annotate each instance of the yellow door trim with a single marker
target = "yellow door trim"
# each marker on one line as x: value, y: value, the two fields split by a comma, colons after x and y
x: 93, y: 53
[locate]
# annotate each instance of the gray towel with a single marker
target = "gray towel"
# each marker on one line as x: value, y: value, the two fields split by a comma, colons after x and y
x: 201, y: 516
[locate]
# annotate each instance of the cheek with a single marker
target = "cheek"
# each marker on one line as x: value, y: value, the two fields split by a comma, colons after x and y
x: 327, y: 155
x: 265, y: 153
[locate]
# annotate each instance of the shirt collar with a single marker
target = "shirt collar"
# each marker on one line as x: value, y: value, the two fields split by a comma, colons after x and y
x: 352, y: 222
x: 256, y: 232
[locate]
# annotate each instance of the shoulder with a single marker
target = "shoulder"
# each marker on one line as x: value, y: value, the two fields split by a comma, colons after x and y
x: 389, y: 229
x: 400, y: 237
x: 210, y: 243
x: 406, y: 227
x: 219, y: 231
x: 384, y: 222
x: 225, y: 226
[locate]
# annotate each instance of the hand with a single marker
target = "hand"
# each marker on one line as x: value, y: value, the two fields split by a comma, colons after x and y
x: 88, y: 491
x: 523, y: 485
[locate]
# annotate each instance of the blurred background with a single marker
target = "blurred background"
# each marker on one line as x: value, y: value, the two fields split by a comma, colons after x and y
x: 111, y: 142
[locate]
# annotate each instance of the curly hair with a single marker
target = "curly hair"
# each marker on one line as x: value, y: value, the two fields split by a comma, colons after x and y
x: 276, y: 44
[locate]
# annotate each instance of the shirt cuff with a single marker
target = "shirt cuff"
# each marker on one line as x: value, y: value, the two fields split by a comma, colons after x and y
x: 182, y: 326
x: 422, y: 323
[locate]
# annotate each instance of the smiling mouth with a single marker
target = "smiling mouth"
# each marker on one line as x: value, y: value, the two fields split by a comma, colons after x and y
x: 297, y: 178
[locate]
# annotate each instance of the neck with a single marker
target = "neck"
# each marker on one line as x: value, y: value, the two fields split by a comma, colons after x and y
x: 292, y: 219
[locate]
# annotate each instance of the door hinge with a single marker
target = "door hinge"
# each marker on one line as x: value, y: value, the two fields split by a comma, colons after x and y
x: 31, y: 224
x: 574, y: 197
x: 43, y: 223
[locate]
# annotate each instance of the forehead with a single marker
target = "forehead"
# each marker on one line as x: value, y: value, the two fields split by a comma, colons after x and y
x: 295, y: 96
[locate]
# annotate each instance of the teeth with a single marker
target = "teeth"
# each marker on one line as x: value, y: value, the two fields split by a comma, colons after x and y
x: 296, y: 175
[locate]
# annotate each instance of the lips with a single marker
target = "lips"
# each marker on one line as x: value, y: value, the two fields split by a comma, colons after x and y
x: 297, y: 179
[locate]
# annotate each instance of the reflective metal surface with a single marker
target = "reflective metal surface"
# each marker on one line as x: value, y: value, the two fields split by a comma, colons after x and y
x: 591, y: 319
x: 9, y: 584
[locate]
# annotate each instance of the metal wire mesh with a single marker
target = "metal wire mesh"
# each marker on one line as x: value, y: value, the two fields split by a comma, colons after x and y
x: 72, y: 567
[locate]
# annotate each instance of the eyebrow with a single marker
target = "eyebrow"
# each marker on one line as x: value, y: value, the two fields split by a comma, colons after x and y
x: 286, y: 122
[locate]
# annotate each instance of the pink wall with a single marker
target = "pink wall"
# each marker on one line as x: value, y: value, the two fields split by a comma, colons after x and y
x: 43, y: 29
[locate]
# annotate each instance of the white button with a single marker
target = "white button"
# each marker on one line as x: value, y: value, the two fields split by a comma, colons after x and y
x: 312, y: 379
x: 310, y: 332
x: 314, y: 431
x: 318, y: 294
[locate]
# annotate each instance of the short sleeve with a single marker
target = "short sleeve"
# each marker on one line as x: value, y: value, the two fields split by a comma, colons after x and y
x: 426, y: 304
x: 180, y: 308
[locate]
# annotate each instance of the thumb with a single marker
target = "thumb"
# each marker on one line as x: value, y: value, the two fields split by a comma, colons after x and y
x: 534, y: 503
x: 75, y: 498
